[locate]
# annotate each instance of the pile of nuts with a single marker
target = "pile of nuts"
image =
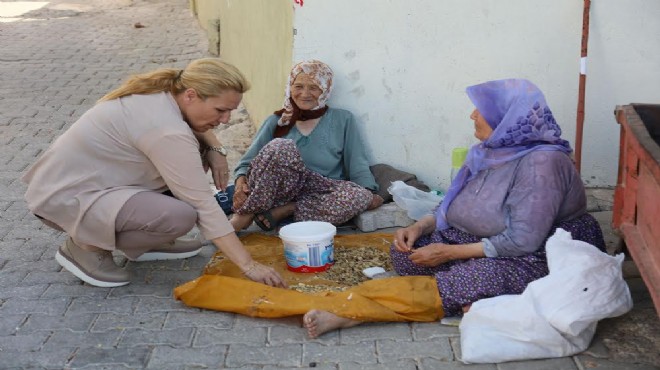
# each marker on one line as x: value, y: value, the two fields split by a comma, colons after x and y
x: 347, y: 270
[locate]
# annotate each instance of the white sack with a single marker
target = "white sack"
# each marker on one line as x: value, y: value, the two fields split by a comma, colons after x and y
x: 416, y: 202
x: 555, y: 316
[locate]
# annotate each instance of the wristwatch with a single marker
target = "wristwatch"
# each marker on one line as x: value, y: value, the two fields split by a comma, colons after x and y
x: 219, y: 149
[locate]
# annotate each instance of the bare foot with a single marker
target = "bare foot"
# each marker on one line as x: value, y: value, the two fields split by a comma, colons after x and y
x: 376, y: 202
x: 318, y: 322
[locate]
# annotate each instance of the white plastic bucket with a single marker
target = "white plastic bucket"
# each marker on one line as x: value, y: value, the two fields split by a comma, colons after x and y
x: 309, y: 245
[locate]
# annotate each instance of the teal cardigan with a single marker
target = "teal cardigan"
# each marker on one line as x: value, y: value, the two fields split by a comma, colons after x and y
x: 333, y: 149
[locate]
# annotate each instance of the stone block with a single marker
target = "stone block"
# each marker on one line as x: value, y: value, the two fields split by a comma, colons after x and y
x: 387, y: 215
x: 281, y: 356
x: 360, y: 353
x: 389, y: 350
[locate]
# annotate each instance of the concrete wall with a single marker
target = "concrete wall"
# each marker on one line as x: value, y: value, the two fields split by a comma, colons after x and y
x: 623, y: 68
x: 402, y: 67
x: 256, y: 36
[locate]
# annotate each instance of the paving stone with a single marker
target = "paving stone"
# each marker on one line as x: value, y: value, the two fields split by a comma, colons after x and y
x: 360, y: 353
x: 75, y: 290
x: 280, y: 356
x: 110, y: 321
x: 433, y: 330
x: 156, y: 304
x: 28, y: 342
x: 432, y: 364
x: 564, y: 363
x: 25, y: 292
x: 161, y: 277
x: 389, y: 350
x: 133, y: 357
x: 248, y: 336
x: 41, y: 322
x: 35, y: 266
x: 51, y: 306
x: 89, y: 305
x: 455, y: 343
x: 164, y: 357
x: 241, y: 322
x: 169, y: 337
x: 44, y: 359
x: 406, y: 364
x: 83, y: 339
x: 44, y: 277
x: 10, y: 324
x: 197, y: 318
x: 370, y: 332
x: 588, y: 362
x: 141, y: 290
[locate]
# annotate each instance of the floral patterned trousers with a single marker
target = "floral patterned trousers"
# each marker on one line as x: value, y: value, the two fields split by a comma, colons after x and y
x: 277, y: 176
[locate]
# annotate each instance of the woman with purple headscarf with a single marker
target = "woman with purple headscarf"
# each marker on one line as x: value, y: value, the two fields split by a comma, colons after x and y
x: 487, y: 238
x: 307, y: 160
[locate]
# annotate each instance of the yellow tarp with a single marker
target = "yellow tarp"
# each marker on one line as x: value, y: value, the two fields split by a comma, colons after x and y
x: 411, y: 298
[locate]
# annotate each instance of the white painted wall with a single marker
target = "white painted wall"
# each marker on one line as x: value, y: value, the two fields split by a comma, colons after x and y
x: 402, y: 67
x: 623, y: 68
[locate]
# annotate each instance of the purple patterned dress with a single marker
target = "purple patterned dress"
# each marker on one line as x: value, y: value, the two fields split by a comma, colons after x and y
x: 277, y: 175
x: 515, y: 188
x: 463, y: 282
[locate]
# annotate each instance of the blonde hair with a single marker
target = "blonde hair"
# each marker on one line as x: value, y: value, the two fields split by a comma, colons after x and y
x: 207, y: 76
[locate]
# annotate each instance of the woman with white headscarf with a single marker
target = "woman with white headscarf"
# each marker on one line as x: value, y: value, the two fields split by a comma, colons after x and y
x: 307, y: 160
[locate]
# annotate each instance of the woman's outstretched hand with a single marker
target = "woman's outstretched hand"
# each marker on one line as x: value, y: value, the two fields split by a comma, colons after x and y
x: 241, y: 192
x: 264, y: 274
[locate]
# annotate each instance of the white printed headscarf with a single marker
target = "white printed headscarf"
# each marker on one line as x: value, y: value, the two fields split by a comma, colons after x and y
x: 321, y: 74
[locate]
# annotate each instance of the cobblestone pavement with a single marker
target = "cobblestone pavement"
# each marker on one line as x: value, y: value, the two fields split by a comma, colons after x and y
x: 55, y: 62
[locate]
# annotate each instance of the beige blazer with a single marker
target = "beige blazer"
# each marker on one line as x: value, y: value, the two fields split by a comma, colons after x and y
x: 115, y: 150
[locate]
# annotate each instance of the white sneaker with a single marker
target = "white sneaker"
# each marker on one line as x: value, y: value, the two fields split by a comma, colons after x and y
x: 174, y: 250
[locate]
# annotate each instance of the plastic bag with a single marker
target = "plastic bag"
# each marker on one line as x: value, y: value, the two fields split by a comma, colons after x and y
x: 556, y: 315
x: 416, y: 202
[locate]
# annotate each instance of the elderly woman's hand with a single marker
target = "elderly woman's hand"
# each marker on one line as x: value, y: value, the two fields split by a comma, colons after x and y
x: 217, y: 163
x: 241, y: 192
x: 432, y: 255
x: 405, y: 238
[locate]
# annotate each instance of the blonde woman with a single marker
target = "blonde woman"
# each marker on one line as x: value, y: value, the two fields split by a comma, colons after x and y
x: 128, y: 174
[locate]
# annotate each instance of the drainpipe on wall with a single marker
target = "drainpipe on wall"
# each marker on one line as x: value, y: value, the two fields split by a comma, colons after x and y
x: 583, y: 81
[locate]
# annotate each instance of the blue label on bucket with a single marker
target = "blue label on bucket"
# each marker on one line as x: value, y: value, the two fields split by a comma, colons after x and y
x: 313, y: 255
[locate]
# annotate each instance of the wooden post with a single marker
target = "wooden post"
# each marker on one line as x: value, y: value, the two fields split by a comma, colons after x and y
x: 582, y: 85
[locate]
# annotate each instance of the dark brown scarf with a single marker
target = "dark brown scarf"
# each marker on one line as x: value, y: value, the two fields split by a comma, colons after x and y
x: 297, y: 115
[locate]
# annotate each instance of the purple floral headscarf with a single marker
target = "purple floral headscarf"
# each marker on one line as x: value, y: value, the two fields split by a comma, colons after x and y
x: 521, y: 121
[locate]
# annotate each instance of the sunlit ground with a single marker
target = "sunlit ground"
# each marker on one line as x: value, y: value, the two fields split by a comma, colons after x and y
x: 12, y: 11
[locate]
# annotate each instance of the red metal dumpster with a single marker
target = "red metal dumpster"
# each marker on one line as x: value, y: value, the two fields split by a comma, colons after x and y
x: 637, y: 194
